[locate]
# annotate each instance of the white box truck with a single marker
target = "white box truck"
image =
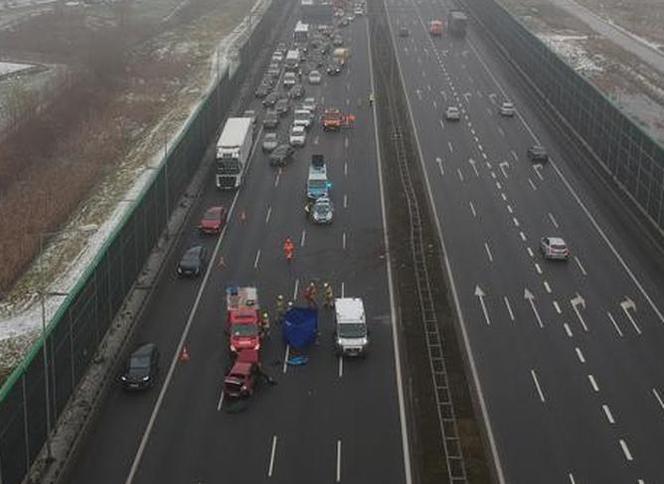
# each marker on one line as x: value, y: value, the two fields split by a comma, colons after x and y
x: 233, y: 150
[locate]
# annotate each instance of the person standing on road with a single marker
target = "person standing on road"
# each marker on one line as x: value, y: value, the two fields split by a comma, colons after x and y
x: 310, y: 295
x: 265, y: 324
x: 280, y: 308
x: 328, y: 296
x: 289, y: 249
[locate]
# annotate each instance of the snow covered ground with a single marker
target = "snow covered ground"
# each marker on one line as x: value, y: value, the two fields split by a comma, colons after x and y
x: 20, y: 316
x: 11, y: 68
x: 570, y: 47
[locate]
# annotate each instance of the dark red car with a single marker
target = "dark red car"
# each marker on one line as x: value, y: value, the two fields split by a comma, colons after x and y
x: 240, y: 381
x: 213, y: 220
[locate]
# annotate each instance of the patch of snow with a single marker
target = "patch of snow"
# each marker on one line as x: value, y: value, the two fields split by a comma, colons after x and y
x: 12, y: 67
x: 571, y: 49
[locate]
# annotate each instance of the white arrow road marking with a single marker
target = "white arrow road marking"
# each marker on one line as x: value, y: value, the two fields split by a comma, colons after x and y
x: 466, y: 96
x: 492, y: 96
x: 576, y: 302
x: 629, y: 304
x: 531, y: 299
x: 537, y: 167
x: 537, y: 385
x: 474, y: 165
x: 504, y: 165
x: 480, y: 294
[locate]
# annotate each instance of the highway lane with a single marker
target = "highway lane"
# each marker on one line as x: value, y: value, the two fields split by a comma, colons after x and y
x: 324, y: 420
x: 456, y: 67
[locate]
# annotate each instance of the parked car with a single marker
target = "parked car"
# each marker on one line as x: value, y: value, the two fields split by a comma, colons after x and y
x: 452, y: 113
x: 271, y: 119
x: 297, y: 91
x: 290, y: 79
x: 403, y: 31
x: 506, y: 109
x: 309, y: 104
x: 213, y: 220
x: 314, y: 77
x: 270, y: 99
x: 281, y: 155
x: 298, y: 135
x: 142, y: 368
x: 282, y: 107
x: 303, y: 117
x: 554, y: 248
x: 537, y: 154
x: 270, y: 142
x: 193, y: 261
x: 278, y: 56
x: 262, y: 90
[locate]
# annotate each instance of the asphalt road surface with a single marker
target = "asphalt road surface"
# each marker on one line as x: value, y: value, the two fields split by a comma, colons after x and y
x: 331, y: 420
x: 568, y: 354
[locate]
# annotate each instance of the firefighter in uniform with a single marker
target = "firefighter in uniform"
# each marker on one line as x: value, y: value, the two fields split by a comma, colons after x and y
x: 265, y: 324
x: 281, y: 308
x: 310, y: 295
x: 328, y: 296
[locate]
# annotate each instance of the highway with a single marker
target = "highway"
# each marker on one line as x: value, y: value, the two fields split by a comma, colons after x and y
x: 567, y: 355
x: 331, y: 420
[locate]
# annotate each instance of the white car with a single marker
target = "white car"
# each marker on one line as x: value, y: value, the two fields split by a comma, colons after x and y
x: 277, y: 56
x: 314, y: 77
x: 302, y: 117
x: 554, y: 248
x: 506, y: 109
x: 309, y: 104
x: 298, y: 136
x: 452, y: 113
x: 290, y: 79
x: 321, y: 211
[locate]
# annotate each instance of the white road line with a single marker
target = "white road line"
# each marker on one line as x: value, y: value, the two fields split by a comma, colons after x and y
x: 286, y: 356
x: 343, y: 289
x: 578, y: 263
x: 537, y: 385
x: 343, y: 240
x: 346, y: 143
x: 557, y: 307
x: 270, y: 468
x: 503, y: 196
x: 345, y: 168
x: 442, y: 124
x: 523, y: 236
x: 514, y: 155
x: 276, y: 179
x: 258, y: 256
x: 338, y: 460
x: 303, y: 237
x: 509, y: 308
x: 345, y: 201
x: 510, y: 209
x: 530, y: 252
x: 532, y: 185
x: 609, y: 415
x: 472, y: 209
x: 499, y: 186
x: 295, y: 288
x: 341, y: 366
x: 449, y: 145
x: 221, y: 400
x: 538, y: 268
x: 488, y: 252
x: 658, y: 397
x: 615, y: 325
x: 579, y: 355
x: 593, y: 383
x: 502, y: 133
x: 571, y: 478
x: 269, y: 212
x: 568, y: 330
x: 553, y: 220
x: 516, y: 221
x: 460, y: 174
x: 625, y: 449
x: 547, y: 287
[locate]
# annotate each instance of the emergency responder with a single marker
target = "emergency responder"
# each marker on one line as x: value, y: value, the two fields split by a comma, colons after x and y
x: 310, y: 295
x: 265, y: 324
x: 289, y: 249
x: 328, y: 296
x: 280, y: 308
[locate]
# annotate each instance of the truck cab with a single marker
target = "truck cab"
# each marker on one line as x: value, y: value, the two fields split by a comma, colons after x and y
x: 242, y: 322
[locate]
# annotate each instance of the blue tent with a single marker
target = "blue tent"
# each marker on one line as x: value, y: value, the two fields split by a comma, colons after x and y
x: 300, y: 327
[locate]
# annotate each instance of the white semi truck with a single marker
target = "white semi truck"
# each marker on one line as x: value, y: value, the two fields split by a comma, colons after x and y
x: 233, y: 150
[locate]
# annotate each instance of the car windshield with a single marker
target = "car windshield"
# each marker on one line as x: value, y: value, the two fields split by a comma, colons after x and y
x: 211, y: 215
x: 352, y: 330
x: 322, y: 208
x: 244, y: 330
x: 191, y: 256
x: 317, y: 184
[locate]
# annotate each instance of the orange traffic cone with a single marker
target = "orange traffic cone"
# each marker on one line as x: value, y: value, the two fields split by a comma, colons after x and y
x: 184, y: 354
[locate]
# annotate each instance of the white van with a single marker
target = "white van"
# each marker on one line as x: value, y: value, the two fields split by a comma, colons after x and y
x: 351, y: 335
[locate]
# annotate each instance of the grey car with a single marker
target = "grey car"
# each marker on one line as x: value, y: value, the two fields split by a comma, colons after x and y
x: 270, y: 142
x: 271, y: 119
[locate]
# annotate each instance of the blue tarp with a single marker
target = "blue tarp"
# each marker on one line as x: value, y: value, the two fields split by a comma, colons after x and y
x: 300, y: 327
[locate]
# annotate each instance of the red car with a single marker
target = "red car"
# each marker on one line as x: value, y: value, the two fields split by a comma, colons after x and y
x: 213, y: 220
x: 241, y: 379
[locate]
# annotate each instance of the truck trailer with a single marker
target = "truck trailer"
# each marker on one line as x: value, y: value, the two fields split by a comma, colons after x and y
x: 233, y: 150
x: 456, y: 23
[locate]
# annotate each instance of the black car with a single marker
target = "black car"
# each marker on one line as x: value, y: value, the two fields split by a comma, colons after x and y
x: 193, y: 261
x: 334, y: 69
x: 403, y: 32
x: 538, y: 154
x: 142, y: 369
x: 271, y: 99
x: 271, y: 119
x: 297, y: 91
x: 282, y: 107
x: 281, y: 155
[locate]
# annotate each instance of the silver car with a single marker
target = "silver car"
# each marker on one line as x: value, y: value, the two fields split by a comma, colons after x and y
x: 270, y: 142
x: 322, y: 211
x: 453, y: 113
x: 554, y: 248
x: 506, y: 109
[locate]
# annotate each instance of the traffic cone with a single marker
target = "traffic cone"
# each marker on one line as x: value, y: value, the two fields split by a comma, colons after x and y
x: 184, y: 354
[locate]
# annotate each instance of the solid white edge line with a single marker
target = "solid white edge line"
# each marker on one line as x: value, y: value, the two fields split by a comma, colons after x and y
x: 471, y: 361
x: 272, y: 453
x: 390, y: 282
x: 185, y: 332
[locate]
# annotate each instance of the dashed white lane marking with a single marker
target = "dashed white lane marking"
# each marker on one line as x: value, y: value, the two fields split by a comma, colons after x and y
x: 557, y: 307
x: 295, y: 288
x: 553, y: 220
x: 442, y: 124
x: 270, y: 468
x: 568, y: 330
x: 510, y: 209
x: 502, y: 133
x: 509, y: 308
x: 258, y: 256
x: 269, y: 212
x: 547, y: 287
x: 499, y: 186
x: 609, y: 415
x: 523, y: 236
x: 538, y: 268
x: 435, y: 104
x: 593, y: 383
x: 345, y: 201
x: 615, y: 325
x: 345, y: 168
x: 581, y: 268
x: 341, y: 366
x: 571, y: 478
x: 516, y: 221
x: 460, y: 174
x: 514, y: 155
x: 658, y: 397
x: 303, y: 237
x: 346, y: 142
x: 625, y: 449
x: 343, y: 289
x: 472, y: 209
x: 338, y: 460
x: 530, y: 252
x: 537, y: 386
x: 284, y: 369
x: 532, y: 185
x: 579, y: 355
x: 449, y: 145
x: 343, y: 241
x: 221, y: 400
x: 488, y: 252
x: 276, y: 178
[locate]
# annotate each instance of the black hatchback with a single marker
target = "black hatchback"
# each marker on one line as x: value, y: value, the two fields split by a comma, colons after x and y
x: 538, y: 154
x: 142, y: 368
x: 281, y: 155
x: 193, y: 261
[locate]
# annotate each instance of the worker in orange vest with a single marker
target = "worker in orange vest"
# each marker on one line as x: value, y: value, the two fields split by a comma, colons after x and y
x: 289, y: 249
